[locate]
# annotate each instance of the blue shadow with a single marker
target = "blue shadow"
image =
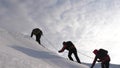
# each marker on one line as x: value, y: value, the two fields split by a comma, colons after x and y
x: 35, y: 53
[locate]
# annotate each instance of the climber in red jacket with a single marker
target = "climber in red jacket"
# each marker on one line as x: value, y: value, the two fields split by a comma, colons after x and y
x: 101, y: 56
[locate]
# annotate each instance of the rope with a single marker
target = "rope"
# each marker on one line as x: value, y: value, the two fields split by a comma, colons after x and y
x: 46, y: 29
x: 85, y: 55
x: 56, y: 49
x: 50, y: 43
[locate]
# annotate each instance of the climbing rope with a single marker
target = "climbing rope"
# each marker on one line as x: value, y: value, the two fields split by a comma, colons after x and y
x: 49, y: 43
x: 85, y: 55
x: 57, y: 49
x: 46, y: 29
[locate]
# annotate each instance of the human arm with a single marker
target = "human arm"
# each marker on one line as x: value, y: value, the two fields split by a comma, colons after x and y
x: 31, y: 34
x: 95, y: 59
x: 64, y: 47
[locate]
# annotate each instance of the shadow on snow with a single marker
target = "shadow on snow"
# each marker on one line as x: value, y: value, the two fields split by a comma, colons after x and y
x: 35, y: 53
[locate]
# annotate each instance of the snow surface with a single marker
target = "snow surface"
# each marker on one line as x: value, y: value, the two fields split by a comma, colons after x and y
x: 19, y: 51
x: 89, y: 24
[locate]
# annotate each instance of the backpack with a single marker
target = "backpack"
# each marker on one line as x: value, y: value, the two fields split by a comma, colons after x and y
x: 69, y: 44
x: 102, y: 53
x: 37, y: 31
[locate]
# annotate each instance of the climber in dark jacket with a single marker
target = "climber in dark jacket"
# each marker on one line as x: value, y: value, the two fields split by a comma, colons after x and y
x: 38, y: 33
x: 72, y: 50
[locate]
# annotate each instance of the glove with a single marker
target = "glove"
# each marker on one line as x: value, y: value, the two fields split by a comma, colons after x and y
x: 59, y: 51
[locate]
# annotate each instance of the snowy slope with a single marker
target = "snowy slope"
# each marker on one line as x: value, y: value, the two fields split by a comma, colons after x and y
x: 19, y: 51
x: 89, y: 24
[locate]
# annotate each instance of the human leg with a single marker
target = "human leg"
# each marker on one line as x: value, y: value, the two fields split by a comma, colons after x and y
x: 38, y: 38
x: 107, y: 65
x: 103, y: 65
x: 77, y: 58
x: 69, y: 55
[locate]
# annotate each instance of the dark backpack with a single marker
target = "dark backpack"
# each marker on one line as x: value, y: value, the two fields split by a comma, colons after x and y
x: 37, y: 31
x: 102, y: 53
x: 69, y: 44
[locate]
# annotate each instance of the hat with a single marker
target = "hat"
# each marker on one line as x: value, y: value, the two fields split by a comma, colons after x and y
x: 64, y: 42
x: 95, y: 51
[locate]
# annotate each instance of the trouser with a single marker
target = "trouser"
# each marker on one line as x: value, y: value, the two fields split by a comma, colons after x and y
x: 38, y: 36
x: 73, y: 51
x: 105, y: 65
